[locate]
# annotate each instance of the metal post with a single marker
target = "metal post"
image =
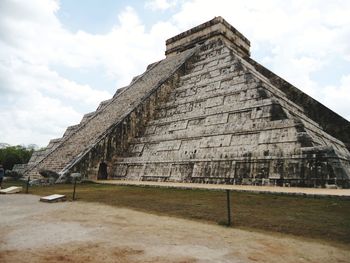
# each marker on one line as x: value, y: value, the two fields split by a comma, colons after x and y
x: 75, y: 183
x: 228, y: 208
x: 27, y: 185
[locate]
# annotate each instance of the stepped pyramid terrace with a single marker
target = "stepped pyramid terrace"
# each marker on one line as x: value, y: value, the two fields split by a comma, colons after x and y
x: 207, y: 113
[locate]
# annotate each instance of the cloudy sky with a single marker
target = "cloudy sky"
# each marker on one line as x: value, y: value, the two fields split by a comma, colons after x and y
x: 59, y: 59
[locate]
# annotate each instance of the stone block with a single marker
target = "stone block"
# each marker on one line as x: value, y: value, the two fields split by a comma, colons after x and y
x: 216, y: 141
x: 216, y: 119
x: 168, y: 145
x: 213, y: 102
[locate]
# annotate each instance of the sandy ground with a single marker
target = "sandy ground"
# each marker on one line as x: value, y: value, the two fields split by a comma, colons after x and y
x: 240, y: 188
x: 31, y: 231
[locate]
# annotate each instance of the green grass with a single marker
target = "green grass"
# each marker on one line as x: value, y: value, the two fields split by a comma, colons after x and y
x: 326, y: 219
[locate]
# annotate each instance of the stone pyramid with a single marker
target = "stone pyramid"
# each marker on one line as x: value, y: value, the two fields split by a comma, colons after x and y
x: 207, y: 113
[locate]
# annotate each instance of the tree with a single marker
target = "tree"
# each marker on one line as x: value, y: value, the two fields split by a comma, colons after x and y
x: 12, y: 155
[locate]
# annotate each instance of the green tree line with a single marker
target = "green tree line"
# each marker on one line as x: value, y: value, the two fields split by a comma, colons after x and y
x: 11, y: 155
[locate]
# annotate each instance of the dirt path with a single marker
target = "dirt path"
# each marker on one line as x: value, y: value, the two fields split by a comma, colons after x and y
x: 31, y: 231
x: 345, y: 193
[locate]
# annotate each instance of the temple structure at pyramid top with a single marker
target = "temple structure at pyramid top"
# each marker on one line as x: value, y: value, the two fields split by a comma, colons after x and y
x: 207, y: 113
x: 216, y: 27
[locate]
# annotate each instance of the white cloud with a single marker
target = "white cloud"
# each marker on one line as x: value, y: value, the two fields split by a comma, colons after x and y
x: 160, y: 4
x: 338, y: 97
x: 35, y: 118
x: 40, y: 103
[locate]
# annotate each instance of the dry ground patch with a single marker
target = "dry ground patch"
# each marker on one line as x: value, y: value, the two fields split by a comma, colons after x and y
x: 325, y: 219
x: 32, y: 231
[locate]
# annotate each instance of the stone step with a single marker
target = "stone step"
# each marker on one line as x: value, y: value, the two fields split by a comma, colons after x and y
x: 194, y: 129
x: 201, y: 111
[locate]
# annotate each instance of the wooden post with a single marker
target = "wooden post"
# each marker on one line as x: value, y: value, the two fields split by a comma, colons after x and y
x: 27, y: 185
x: 75, y: 184
x: 75, y: 177
x: 228, y: 208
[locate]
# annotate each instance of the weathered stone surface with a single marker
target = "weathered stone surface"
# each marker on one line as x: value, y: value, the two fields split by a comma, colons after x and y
x: 197, y: 35
x: 208, y: 114
x: 20, y: 168
x: 134, y: 103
